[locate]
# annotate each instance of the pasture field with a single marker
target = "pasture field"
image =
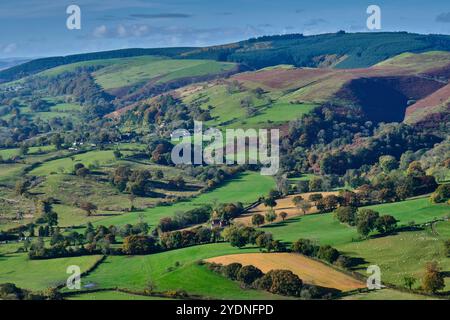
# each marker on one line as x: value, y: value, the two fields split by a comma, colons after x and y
x: 325, y: 229
x: 387, y: 294
x: 57, y: 109
x: 70, y: 215
x: 246, y: 188
x: 173, y: 270
x: 66, y: 107
x: 124, y: 72
x: 48, y: 115
x: 442, y: 228
x: 132, y: 71
x: 70, y: 189
x: 303, y: 177
x: 111, y: 295
x: 309, y: 270
x: 9, y: 153
x: 322, y: 228
x: 9, y: 172
x: 65, y: 165
x: 39, y: 274
x: 10, y: 247
x: 284, y: 204
x: 95, y: 158
x: 275, y: 114
x: 73, y: 66
x: 418, y: 210
x: 271, y: 108
x: 403, y: 254
x: 226, y: 105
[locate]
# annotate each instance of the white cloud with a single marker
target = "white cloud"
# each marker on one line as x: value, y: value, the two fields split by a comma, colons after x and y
x: 121, y: 31
x: 140, y: 30
x: 9, y: 48
x: 100, y: 31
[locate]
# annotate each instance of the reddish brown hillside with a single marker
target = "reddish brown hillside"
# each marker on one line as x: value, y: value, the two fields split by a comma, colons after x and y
x: 438, y: 101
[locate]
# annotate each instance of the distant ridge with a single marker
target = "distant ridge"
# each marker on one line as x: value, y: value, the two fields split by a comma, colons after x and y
x: 38, y: 65
x: 338, y: 50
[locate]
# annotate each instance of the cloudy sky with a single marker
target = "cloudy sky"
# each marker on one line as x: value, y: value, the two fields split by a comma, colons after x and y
x: 36, y: 28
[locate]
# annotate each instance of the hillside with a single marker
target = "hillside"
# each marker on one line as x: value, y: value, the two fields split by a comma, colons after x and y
x: 432, y: 105
x: 88, y: 175
x: 340, y: 50
x: 274, y: 95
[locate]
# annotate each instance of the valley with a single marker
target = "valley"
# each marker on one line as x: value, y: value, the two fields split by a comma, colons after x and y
x: 87, y: 177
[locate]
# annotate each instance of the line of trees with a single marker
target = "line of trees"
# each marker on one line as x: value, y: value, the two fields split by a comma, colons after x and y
x: 279, y: 281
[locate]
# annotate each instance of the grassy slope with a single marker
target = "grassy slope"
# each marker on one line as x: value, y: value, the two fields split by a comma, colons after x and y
x: 228, y: 112
x: 292, y: 92
x: 247, y: 188
x: 135, y: 272
x: 417, y: 62
x: 68, y: 188
x: 9, y: 153
x: 418, y: 210
x: 402, y: 254
x: 111, y: 295
x: 359, y: 50
x: 327, y: 230
x: 39, y: 274
x: 103, y: 157
x: 386, y: 294
x: 58, y: 109
x: 116, y: 73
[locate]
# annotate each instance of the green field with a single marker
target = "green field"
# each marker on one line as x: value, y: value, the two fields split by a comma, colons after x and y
x: 161, y: 270
x: 403, y: 254
x: 9, y: 172
x: 322, y: 228
x: 124, y: 72
x: 277, y: 113
x: 70, y: 189
x: 57, y: 109
x: 65, y: 107
x: 39, y: 274
x: 9, y: 153
x: 11, y: 247
x: 416, y: 210
x: 247, y: 188
x: 325, y: 229
x: 272, y: 107
x: 111, y: 295
x: 226, y: 105
x: 65, y: 165
x: 386, y: 294
x: 132, y: 71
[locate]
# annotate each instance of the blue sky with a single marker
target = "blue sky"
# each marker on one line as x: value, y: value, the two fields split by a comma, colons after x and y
x: 36, y: 28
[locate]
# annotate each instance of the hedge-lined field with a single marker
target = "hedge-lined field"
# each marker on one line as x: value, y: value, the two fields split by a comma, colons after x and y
x: 173, y: 270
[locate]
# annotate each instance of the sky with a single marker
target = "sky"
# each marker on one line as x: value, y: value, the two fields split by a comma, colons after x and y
x: 37, y: 28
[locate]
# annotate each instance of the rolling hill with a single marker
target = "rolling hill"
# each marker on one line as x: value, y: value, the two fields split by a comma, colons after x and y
x: 278, y: 94
x: 340, y: 50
